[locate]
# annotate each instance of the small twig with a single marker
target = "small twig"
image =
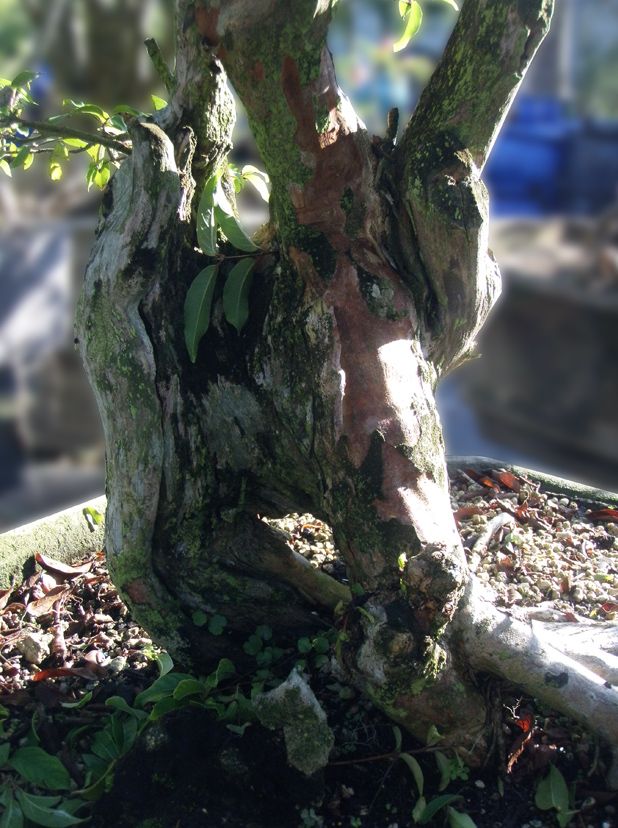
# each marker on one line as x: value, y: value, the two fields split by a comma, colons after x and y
x: 380, y: 757
x: 161, y: 67
x: 535, y: 522
x: 494, y: 525
x: 45, y: 128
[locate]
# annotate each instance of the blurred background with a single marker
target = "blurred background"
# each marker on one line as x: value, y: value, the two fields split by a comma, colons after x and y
x: 545, y: 391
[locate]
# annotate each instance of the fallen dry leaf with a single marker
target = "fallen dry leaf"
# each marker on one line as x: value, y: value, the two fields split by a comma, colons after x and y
x: 59, y: 568
x: 609, y: 606
x: 506, y: 479
x: 5, y: 594
x: 44, y: 605
x: 467, y: 511
x: 603, y: 514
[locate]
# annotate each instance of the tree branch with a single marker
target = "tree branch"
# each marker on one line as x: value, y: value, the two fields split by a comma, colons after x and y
x: 474, y: 84
x: 45, y: 128
x: 443, y: 207
x: 514, y: 650
x: 161, y: 67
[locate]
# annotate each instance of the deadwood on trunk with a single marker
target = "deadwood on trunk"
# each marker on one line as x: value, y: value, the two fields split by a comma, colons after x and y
x: 373, y: 282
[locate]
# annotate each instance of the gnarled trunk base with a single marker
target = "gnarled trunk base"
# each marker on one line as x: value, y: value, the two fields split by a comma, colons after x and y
x: 376, y: 282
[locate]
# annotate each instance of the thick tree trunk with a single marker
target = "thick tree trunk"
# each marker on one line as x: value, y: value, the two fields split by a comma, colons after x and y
x: 375, y: 282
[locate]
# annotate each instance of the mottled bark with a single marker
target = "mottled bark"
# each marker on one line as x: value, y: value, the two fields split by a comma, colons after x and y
x: 375, y: 281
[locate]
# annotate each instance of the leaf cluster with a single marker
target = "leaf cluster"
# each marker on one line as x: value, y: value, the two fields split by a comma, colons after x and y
x: 216, y: 220
x: 22, y: 139
x: 32, y: 767
x: 450, y: 768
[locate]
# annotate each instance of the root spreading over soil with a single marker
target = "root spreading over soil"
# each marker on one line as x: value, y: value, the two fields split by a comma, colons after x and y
x: 66, y: 638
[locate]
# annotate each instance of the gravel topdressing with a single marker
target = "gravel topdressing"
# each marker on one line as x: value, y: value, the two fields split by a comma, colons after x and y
x: 530, y: 548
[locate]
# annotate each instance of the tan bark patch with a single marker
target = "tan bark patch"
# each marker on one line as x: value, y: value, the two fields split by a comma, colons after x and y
x: 206, y: 21
x: 138, y: 592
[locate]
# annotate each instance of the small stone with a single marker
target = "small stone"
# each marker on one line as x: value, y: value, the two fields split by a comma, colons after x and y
x: 577, y: 594
x: 479, y: 784
x: 117, y: 665
x: 34, y: 647
x: 293, y: 706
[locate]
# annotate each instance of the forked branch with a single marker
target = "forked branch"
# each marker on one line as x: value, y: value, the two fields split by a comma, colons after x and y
x: 474, y: 84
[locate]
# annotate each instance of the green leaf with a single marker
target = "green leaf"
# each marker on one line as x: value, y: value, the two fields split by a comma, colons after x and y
x: 264, y: 631
x: 233, y: 232
x: 165, y: 663
x: 125, y: 109
x: 253, y: 645
x: 46, y: 801
x: 24, y: 158
x: 217, y: 624
x: 5, y: 749
x: 228, y: 222
x: 404, y: 7
x: 159, y: 689
x: 433, y: 736
x: 413, y: 19
x: 197, y: 308
x: 436, y: 805
x: 87, y: 109
x: 564, y: 818
x: 75, y: 142
x: 72, y: 805
x: 128, y: 732
x: 93, y: 514
x: 321, y: 644
x: 238, y: 729
x: 258, y: 179
x: 552, y: 792
x: 40, y: 768
x: 199, y: 618
x: 104, y: 746
x: 118, y: 703
x: 419, y: 807
x: 164, y: 706
x: 22, y: 80
x: 456, y: 819
x: 102, y: 783
x: 55, y: 171
x: 225, y: 669
x: 78, y: 704
x: 452, y: 3
x: 415, y: 770
x: 189, y: 687
x: 303, y: 645
x: 41, y: 815
x: 158, y: 102
x: 12, y: 816
x: 118, y: 123
x: 102, y: 175
x: 206, y: 223
x: 96, y: 152
x: 236, y: 293
x: 5, y: 167
x: 444, y: 766
x: 264, y: 658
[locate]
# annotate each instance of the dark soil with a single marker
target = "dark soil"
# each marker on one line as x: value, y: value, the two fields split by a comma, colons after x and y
x: 188, y: 770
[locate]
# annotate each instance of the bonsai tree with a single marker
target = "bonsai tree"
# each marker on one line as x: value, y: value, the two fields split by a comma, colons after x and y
x: 243, y: 378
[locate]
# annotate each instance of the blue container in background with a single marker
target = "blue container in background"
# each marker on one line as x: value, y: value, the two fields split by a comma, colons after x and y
x: 527, y: 173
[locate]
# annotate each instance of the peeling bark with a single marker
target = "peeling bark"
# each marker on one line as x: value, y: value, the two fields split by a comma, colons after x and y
x: 376, y: 282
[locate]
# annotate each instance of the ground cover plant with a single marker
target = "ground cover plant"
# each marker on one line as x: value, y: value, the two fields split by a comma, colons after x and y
x: 99, y: 725
x: 243, y: 379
